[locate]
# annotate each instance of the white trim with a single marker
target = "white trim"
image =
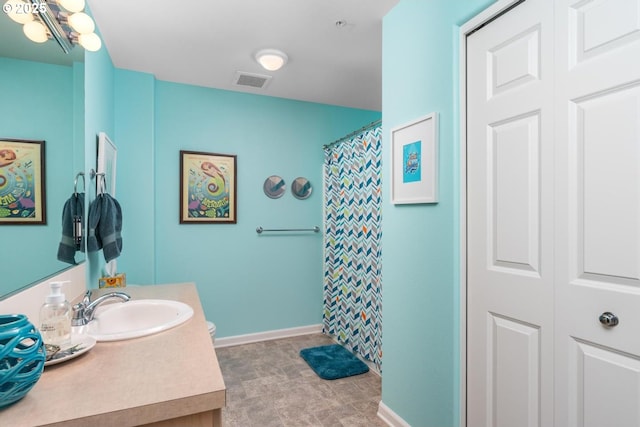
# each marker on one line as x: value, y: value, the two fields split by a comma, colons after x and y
x: 486, y: 15
x: 389, y: 417
x: 267, y: 336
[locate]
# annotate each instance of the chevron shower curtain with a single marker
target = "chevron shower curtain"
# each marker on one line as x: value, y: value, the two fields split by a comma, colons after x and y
x: 352, y: 288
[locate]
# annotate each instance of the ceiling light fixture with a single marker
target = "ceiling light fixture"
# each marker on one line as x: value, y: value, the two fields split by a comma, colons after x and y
x: 271, y: 59
x: 62, y: 20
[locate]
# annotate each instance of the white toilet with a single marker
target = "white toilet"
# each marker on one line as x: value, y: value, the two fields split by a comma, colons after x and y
x: 212, y: 331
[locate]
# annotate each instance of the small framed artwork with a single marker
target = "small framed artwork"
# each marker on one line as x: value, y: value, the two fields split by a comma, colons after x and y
x: 414, y: 161
x: 22, y: 182
x: 208, y: 190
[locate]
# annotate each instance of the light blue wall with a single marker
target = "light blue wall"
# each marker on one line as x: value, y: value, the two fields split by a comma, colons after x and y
x: 36, y: 105
x: 99, y: 117
x: 421, y: 242
x: 78, y: 121
x: 134, y: 136
x: 247, y: 283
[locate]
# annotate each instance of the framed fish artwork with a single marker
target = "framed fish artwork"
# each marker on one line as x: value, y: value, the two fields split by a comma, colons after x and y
x: 208, y: 190
x: 22, y: 182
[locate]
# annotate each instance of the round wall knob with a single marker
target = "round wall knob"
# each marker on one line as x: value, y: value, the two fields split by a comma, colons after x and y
x: 608, y: 319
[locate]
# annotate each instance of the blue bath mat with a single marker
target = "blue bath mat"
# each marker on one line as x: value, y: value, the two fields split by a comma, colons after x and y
x: 331, y: 362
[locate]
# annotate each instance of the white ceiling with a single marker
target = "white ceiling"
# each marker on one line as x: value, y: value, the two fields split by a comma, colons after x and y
x: 205, y: 43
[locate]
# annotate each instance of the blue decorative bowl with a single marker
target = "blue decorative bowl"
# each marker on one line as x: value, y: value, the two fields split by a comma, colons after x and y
x: 22, y: 357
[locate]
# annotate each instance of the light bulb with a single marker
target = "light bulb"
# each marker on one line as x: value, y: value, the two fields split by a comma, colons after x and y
x: 72, y: 5
x: 35, y: 31
x: 90, y: 42
x: 18, y: 10
x: 81, y: 23
x: 271, y: 59
x: 271, y: 62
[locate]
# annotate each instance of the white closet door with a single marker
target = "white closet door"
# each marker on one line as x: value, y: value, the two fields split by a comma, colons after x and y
x: 598, y: 212
x: 553, y: 151
x: 510, y: 203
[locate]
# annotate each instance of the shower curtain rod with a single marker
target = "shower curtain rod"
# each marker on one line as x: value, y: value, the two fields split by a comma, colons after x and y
x: 352, y: 134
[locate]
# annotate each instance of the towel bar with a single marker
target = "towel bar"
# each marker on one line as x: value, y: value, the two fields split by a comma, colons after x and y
x: 260, y: 230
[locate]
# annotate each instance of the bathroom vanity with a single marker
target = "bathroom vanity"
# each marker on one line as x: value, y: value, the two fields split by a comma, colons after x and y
x: 167, y: 379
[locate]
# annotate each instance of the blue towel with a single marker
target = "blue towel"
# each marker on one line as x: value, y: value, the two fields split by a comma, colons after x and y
x: 105, y: 227
x: 73, y: 207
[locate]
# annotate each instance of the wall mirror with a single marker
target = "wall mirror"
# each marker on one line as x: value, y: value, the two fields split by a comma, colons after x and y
x: 301, y: 188
x: 274, y: 187
x: 43, y: 99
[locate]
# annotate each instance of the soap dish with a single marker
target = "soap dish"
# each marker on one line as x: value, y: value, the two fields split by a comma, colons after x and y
x: 80, y: 344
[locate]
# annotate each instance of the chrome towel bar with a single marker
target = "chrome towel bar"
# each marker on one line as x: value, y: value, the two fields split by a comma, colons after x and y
x: 260, y: 230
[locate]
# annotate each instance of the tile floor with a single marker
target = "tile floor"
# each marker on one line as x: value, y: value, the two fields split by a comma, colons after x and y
x: 270, y: 385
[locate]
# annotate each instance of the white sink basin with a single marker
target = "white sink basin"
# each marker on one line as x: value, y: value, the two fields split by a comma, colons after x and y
x: 136, y: 318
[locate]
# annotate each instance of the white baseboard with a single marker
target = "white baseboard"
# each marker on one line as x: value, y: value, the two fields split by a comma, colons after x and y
x: 266, y: 336
x: 391, y: 418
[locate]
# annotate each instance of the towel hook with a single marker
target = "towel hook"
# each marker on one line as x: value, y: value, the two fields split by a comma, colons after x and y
x: 75, y: 183
x: 101, y: 178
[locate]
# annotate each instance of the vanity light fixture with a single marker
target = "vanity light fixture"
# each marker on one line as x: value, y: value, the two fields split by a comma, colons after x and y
x: 13, y: 9
x: 35, y: 31
x: 62, y: 20
x: 81, y: 23
x: 72, y: 6
x: 271, y: 59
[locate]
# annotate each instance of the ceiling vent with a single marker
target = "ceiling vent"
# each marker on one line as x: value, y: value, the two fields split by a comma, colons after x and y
x: 259, y: 81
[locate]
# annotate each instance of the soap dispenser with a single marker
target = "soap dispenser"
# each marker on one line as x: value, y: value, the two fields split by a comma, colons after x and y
x: 55, y: 317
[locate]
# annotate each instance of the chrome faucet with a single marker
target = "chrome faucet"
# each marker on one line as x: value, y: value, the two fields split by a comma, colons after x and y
x: 84, y: 311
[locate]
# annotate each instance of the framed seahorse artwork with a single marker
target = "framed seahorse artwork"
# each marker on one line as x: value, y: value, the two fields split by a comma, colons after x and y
x: 208, y: 190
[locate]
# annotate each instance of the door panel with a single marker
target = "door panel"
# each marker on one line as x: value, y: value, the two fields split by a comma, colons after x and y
x: 598, y: 212
x: 514, y: 190
x: 510, y: 205
x: 513, y: 390
x: 605, y: 386
x: 514, y: 62
x: 607, y: 129
x: 553, y: 222
x: 591, y: 30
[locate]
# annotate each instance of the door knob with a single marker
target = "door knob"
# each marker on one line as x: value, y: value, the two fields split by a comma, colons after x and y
x: 608, y: 319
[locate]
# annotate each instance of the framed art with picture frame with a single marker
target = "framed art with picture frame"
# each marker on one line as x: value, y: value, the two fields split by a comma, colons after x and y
x: 414, y: 161
x: 22, y: 182
x: 208, y: 189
